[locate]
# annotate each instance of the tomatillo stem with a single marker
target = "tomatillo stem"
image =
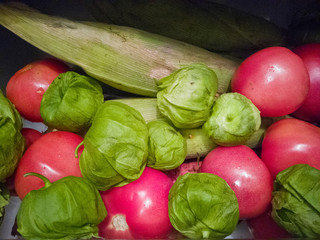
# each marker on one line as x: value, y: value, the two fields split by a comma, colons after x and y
x: 46, y: 181
x: 77, y: 149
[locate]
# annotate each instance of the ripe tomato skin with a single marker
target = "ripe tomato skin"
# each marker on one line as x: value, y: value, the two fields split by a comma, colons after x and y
x: 275, y: 79
x: 30, y: 135
x: 310, y: 54
x: 27, y: 86
x: 245, y: 173
x: 52, y: 155
x: 143, y: 206
x: 288, y: 142
x: 264, y: 227
x: 186, y: 167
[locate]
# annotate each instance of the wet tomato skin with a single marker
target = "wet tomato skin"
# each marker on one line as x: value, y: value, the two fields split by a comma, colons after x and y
x: 290, y: 141
x: 245, y: 173
x: 310, y: 54
x: 51, y: 155
x: 264, y: 227
x: 138, y: 209
x: 27, y: 86
x: 275, y: 79
x: 30, y: 135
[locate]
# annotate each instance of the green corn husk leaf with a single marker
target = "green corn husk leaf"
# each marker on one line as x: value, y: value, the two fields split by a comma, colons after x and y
x: 124, y: 58
x: 203, y: 23
x: 198, y: 143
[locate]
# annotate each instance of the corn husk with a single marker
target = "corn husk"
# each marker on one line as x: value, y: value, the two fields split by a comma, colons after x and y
x: 203, y: 23
x: 125, y: 58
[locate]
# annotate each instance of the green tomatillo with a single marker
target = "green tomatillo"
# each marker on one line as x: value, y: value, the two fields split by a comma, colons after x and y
x: 296, y: 200
x: 186, y: 96
x: 202, y: 205
x: 69, y: 208
x: 167, y: 147
x: 234, y: 118
x: 71, y: 101
x: 4, y: 200
x: 12, y: 142
x: 115, y: 146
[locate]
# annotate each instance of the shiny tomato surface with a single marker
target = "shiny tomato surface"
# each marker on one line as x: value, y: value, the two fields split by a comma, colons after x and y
x: 275, y: 79
x: 264, y: 227
x: 30, y: 135
x: 310, y: 109
x: 27, y: 86
x: 138, y: 209
x: 288, y: 142
x: 245, y: 173
x: 52, y: 155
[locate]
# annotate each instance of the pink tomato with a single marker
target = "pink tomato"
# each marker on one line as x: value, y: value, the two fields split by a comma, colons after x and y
x: 245, y: 173
x: 310, y: 54
x: 288, y: 142
x: 53, y: 156
x: 138, y: 209
x: 275, y: 79
x: 264, y: 227
x: 186, y: 167
x: 30, y: 135
x: 27, y: 86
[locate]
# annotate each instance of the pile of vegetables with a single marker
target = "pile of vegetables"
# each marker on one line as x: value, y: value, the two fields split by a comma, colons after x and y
x: 214, y: 130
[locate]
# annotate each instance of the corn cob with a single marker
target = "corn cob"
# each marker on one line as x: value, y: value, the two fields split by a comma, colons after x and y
x: 125, y: 58
x: 206, y: 24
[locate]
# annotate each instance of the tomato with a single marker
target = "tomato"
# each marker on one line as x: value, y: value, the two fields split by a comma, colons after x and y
x: 186, y: 167
x: 52, y: 155
x: 264, y: 227
x: 310, y: 54
x: 27, y: 86
x: 138, y: 209
x: 288, y: 142
x: 30, y: 135
x: 275, y: 79
x: 245, y: 173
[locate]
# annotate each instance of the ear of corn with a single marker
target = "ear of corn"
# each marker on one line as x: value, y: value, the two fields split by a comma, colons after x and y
x: 204, y: 23
x: 146, y: 106
x: 124, y: 58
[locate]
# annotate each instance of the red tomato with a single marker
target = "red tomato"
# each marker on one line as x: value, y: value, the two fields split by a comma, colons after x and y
x: 186, y: 167
x: 264, y: 227
x: 275, y: 79
x: 138, y: 209
x: 30, y: 135
x: 27, y: 86
x: 310, y: 110
x: 52, y: 155
x: 288, y: 142
x: 245, y: 173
